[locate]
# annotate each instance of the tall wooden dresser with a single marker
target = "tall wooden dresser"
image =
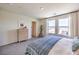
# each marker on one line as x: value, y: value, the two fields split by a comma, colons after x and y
x: 22, y: 34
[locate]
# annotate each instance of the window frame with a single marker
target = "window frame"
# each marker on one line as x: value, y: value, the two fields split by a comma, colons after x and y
x: 64, y: 26
x: 57, y: 25
x: 51, y: 26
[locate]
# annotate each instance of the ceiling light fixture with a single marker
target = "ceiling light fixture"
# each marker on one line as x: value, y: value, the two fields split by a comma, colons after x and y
x: 41, y: 8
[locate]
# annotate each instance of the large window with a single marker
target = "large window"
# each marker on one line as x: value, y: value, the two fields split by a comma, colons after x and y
x: 59, y: 26
x: 63, y: 26
x: 51, y: 26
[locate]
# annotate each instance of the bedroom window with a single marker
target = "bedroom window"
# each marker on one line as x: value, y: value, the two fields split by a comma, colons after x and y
x: 63, y: 26
x: 59, y: 26
x: 51, y: 26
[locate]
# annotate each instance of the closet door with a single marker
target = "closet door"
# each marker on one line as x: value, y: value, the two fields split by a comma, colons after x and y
x: 33, y: 29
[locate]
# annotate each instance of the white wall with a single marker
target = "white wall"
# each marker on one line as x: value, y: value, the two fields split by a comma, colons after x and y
x: 9, y: 22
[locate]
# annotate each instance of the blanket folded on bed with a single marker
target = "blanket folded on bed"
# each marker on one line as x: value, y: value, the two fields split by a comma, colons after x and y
x: 42, y: 46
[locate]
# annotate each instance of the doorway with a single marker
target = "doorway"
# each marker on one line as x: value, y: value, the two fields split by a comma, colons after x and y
x: 33, y: 29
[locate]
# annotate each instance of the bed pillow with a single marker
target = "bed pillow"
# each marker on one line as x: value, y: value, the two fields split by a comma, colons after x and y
x: 75, y: 44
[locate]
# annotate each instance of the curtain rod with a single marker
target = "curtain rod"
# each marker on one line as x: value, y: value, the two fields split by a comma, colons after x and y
x: 62, y: 14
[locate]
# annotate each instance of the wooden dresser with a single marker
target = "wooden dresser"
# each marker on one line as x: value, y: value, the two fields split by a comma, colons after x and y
x: 22, y: 34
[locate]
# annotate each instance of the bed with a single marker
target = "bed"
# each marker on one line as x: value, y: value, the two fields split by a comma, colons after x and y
x: 50, y: 45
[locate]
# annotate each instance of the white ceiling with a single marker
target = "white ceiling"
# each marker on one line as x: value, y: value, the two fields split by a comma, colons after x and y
x: 33, y: 9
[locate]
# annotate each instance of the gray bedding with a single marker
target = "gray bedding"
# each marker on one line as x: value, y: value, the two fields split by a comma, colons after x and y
x: 42, y: 46
x: 75, y: 45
